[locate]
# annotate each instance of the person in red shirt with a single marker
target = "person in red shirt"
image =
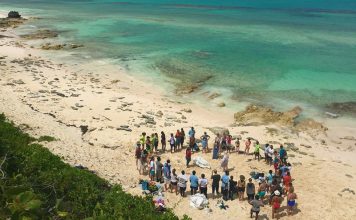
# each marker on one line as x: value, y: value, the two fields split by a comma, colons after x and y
x: 188, y: 155
x: 287, y: 179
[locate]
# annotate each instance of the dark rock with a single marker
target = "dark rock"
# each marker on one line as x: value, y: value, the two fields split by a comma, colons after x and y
x: 13, y: 14
x: 219, y: 130
x: 342, y: 107
x: 84, y: 129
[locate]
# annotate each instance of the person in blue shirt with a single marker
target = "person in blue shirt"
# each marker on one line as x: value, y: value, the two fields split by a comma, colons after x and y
x: 194, y: 183
x: 191, y: 134
x: 282, y: 154
x: 167, y: 175
x: 225, y: 185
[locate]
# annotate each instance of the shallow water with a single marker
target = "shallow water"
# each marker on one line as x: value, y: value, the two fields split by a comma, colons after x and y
x: 277, y: 52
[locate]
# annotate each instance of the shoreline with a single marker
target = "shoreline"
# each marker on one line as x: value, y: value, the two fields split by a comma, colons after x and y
x: 58, y: 99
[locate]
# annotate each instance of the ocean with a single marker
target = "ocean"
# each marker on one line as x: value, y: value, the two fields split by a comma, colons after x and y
x: 279, y: 53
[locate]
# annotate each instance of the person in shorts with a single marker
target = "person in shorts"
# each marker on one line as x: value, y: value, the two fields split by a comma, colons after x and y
x: 256, y: 204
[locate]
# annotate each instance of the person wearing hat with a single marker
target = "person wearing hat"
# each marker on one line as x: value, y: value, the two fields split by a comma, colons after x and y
x: 276, y: 203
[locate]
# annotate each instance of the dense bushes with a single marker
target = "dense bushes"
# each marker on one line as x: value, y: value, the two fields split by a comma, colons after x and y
x: 35, y: 184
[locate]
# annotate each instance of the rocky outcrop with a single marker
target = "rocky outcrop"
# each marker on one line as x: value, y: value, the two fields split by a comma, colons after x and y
x: 14, y: 14
x: 219, y: 130
x: 49, y: 46
x: 342, y: 108
x: 11, y: 22
x: 40, y: 34
x: 260, y: 115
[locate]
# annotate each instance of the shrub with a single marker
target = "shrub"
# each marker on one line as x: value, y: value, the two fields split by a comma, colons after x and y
x: 36, y: 184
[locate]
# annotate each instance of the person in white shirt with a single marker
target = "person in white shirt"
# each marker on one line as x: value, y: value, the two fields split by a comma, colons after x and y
x: 182, y: 183
x: 267, y: 146
x: 203, y: 185
x: 270, y: 155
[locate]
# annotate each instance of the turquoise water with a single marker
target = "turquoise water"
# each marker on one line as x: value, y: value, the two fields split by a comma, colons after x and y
x: 277, y: 52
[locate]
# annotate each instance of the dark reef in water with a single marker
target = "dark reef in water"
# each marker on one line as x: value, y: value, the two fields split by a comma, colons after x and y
x: 348, y: 108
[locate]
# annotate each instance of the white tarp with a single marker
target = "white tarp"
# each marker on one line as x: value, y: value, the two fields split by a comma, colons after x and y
x: 198, y: 201
x: 200, y: 162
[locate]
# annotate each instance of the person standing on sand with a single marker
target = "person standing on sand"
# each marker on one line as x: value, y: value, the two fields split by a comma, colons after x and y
x: 155, y: 143
x: 194, y: 182
x: 191, y: 134
x: 225, y: 179
x: 172, y: 142
x: 204, y: 142
x: 256, y: 204
x: 216, y: 151
x: 203, y: 185
x: 282, y: 154
x: 163, y: 141
x: 250, y: 190
x: 262, y: 189
x: 232, y: 188
x: 153, y: 140
x: 138, y: 152
x: 174, y: 181
x: 225, y: 161
x: 182, y: 137
x: 257, y: 150
x: 276, y: 203
x: 188, y: 155
x: 228, y: 142
x: 270, y: 155
x: 247, y: 146
x: 143, y: 139
x: 177, y: 137
x: 148, y: 144
x: 159, y: 167
x: 287, y: 179
x: 215, y: 185
x: 266, y: 152
x: 241, y: 186
x: 143, y: 161
x: 167, y: 175
x: 237, y: 145
x: 182, y: 183
x: 152, y: 169
x: 291, y: 197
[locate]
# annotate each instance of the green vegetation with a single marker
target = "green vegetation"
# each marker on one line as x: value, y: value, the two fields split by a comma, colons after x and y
x: 35, y: 184
x: 46, y: 138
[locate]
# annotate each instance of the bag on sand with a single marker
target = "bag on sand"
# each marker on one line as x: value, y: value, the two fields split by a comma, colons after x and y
x: 198, y: 201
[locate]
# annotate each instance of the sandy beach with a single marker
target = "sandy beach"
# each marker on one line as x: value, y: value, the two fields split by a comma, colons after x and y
x: 97, y: 111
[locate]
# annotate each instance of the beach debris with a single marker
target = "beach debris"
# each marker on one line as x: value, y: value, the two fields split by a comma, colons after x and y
x: 331, y: 115
x: 124, y: 128
x: 219, y: 130
x: 199, y: 201
x: 159, y: 113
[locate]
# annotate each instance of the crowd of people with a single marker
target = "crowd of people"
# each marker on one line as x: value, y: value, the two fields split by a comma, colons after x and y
x: 271, y: 188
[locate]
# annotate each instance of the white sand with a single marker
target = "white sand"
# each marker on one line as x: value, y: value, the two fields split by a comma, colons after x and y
x: 320, y: 176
